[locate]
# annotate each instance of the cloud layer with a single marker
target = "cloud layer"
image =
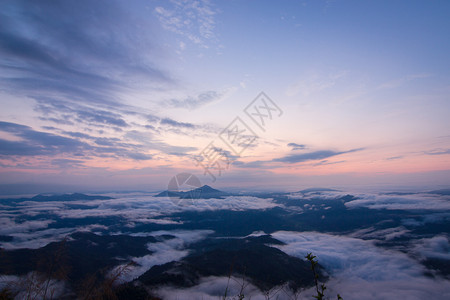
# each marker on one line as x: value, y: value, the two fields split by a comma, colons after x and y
x: 360, y: 270
x: 130, y: 209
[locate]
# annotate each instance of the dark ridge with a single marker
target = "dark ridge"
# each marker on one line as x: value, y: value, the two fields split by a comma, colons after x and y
x: 6, y: 238
x: 62, y: 197
x: 263, y: 265
x: 442, y: 192
x: 80, y: 256
x: 69, y: 197
x: 317, y: 190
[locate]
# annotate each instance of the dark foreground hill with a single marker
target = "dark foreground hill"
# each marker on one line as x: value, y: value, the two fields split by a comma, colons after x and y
x: 249, y: 258
x: 81, y: 256
x: 86, y: 259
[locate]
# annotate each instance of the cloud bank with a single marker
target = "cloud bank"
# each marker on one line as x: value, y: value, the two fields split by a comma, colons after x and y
x: 360, y: 270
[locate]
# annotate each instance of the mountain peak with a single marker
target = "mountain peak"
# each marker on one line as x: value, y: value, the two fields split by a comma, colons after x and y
x: 206, y: 188
x: 203, y: 192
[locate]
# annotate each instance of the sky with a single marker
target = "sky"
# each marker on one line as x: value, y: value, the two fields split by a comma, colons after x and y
x: 245, y: 95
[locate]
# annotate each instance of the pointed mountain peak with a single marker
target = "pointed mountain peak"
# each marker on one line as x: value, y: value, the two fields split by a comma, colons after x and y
x: 207, y: 189
x: 203, y: 192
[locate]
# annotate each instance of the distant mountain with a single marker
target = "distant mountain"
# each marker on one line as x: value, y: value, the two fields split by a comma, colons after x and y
x: 69, y: 197
x: 443, y: 192
x: 399, y: 193
x: 63, y: 197
x: 317, y: 190
x: 207, y: 192
x: 204, y: 192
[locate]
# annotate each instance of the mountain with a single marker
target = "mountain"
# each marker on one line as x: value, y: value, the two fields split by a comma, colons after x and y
x: 263, y: 265
x: 443, y: 192
x: 204, y: 192
x: 62, y: 197
x: 181, y: 249
x: 69, y: 197
x: 85, y: 255
x: 317, y: 190
x: 80, y: 255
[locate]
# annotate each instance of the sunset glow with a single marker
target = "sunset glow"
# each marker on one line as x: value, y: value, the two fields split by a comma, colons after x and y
x: 124, y: 96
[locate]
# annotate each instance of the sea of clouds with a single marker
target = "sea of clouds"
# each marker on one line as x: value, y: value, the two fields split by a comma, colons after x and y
x: 358, y: 269
x: 358, y: 266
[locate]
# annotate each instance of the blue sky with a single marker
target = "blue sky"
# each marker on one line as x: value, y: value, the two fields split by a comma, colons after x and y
x: 124, y: 95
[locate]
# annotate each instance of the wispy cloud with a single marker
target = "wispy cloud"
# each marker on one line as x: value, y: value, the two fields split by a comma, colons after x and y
x: 194, y: 102
x: 171, y: 122
x: 76, y: 63
x: 296, y: 146
x: 193, y: 20
x: 326, y: 162
x: 38, y: 143
x: 395, y: 157
x: 315, y: 155
x: 438, y: 152
x: 65, y: 112
x: 54, y: 55
x: 64, y: 163
x: 403, y: 80
x: 314, y: 83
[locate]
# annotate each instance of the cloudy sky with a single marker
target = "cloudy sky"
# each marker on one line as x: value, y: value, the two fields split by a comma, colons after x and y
x: 116, y: 95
